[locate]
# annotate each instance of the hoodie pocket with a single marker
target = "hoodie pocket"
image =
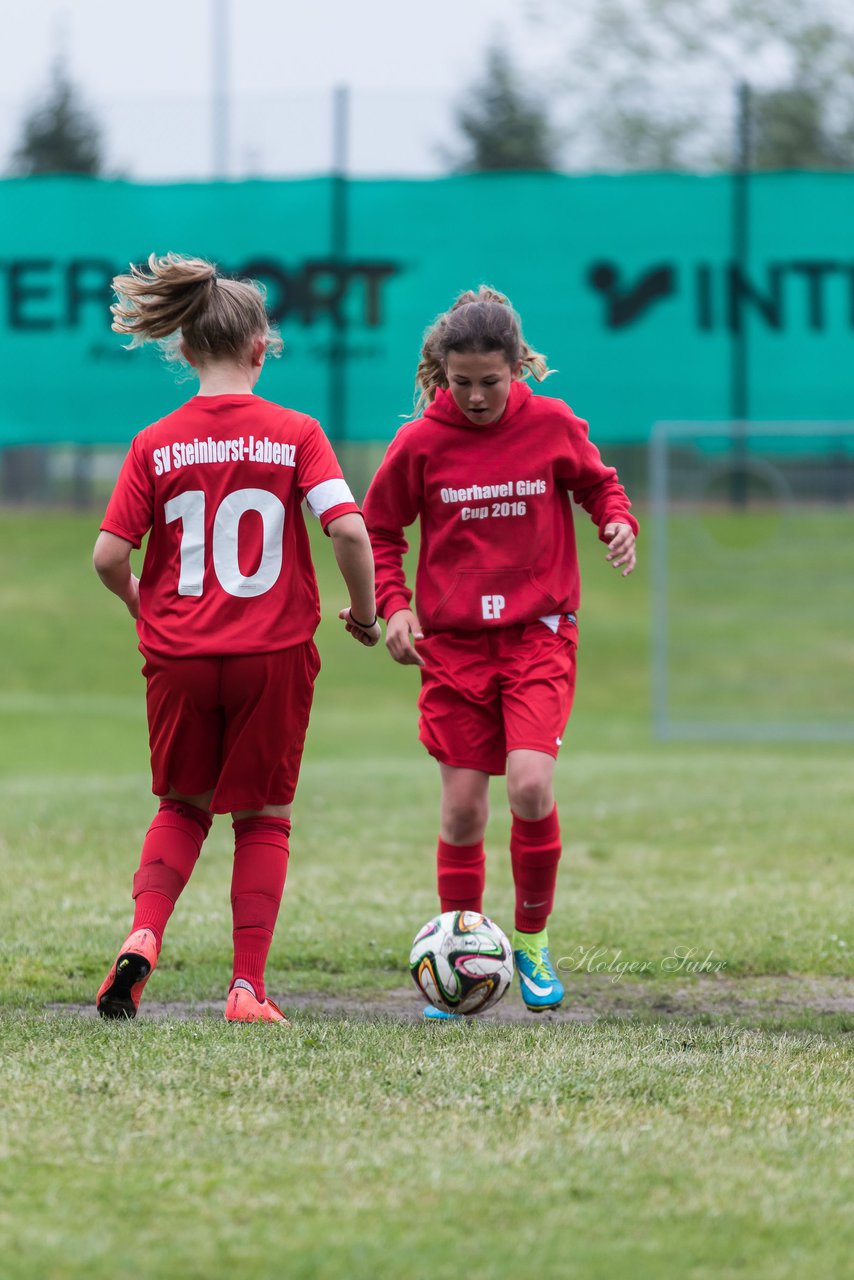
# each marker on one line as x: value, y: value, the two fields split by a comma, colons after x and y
x: 501, y: 597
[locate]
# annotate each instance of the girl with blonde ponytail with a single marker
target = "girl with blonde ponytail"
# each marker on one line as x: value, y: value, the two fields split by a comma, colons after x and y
x: 226, y: 608
x: 488, y: 468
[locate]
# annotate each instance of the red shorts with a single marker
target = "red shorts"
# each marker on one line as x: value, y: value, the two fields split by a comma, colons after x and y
x: 484, y: 693
x: 235, y: 725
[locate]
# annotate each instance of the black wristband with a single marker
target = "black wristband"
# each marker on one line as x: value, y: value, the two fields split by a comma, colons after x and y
x: 364, y: 626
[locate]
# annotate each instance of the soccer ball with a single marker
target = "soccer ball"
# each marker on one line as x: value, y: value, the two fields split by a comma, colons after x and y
x: 461, y: 962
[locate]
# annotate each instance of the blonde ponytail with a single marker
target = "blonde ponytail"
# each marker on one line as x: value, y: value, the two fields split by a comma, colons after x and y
x: 180, y: 298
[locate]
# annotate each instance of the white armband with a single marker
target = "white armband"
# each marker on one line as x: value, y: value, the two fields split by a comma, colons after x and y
x: 329, y: 494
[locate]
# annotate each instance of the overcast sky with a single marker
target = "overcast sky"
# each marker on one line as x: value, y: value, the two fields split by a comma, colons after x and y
x: 146, y: 71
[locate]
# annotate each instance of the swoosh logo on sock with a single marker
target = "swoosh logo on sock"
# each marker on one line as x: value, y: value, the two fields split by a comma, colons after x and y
x: 532, y: 986
x: 528, y: 906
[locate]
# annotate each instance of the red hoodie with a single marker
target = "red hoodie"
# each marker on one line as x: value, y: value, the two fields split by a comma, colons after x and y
x: 497, y: 538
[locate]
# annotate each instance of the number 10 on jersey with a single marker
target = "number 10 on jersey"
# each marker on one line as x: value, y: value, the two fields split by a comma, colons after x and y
x: 189, y: 508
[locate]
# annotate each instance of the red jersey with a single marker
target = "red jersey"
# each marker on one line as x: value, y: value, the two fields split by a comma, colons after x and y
x: 219, y: 484
x: 497, y: 537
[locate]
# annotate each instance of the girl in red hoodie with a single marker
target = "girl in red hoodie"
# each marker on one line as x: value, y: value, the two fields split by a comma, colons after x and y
x: 488, y: 470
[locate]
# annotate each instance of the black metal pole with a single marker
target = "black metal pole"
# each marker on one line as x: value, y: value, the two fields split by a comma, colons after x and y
x: 739, y: 348
x: 219, y: 89
x: 83, y: 476
x: 339, y: 247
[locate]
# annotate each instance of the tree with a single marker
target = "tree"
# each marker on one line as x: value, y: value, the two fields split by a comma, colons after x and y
x: 59, y: 135
x: 789, y: 132
x: 505, y: 126
x: 654, y: 81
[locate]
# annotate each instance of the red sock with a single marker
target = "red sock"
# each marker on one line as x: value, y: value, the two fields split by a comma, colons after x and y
x: 534, y: 854
x: 461, y: 874
x: 257, y: 884
x: 169, y: 853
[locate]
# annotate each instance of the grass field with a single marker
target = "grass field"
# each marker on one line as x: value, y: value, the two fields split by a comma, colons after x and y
x: 685, y: 1124
x: 765, y: 601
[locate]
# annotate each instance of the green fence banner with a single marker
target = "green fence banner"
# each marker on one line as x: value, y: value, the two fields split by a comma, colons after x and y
x: 655, y: 296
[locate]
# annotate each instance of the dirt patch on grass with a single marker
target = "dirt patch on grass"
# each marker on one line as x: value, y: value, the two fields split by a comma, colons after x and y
x: 595, y: 996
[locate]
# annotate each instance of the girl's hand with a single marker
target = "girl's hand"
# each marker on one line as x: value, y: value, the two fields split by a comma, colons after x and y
x: 132, y: 598
x: 401, y: 630
x: 365, y: 635
x: 621, y: 547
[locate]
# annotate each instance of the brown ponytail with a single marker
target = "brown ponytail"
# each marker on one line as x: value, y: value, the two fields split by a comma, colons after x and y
x: 477, y: 322
x: 185, y: 298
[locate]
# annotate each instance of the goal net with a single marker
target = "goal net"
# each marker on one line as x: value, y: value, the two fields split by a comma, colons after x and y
x: 753, y: 580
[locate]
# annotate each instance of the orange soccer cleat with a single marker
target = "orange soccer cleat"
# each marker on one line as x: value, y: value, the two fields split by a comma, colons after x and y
x: 243, y: 1005
x: 120, y: 991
